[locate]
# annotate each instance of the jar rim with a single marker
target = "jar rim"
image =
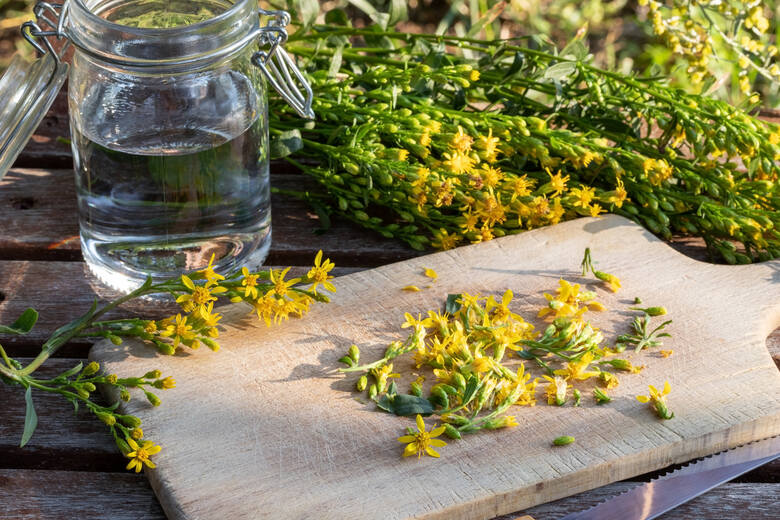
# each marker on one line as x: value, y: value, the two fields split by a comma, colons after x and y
x: 178, y: 47
x: 145, y: 31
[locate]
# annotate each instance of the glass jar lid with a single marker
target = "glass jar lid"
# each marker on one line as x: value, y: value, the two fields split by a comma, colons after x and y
x: 28, y: 88
x: 27, y: 91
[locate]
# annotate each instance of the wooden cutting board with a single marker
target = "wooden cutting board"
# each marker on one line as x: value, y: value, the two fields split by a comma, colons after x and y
x: 265, y: 428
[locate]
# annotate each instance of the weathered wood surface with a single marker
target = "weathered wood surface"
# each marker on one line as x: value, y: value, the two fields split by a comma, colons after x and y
x: 63, y: 291
x: 40, y: 223
x: 71, y: 442
x: 76, y: 494
x: 287, y: 419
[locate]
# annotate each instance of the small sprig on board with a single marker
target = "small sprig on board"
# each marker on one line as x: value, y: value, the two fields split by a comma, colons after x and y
x: 468, y: 348
x: 272, y: 297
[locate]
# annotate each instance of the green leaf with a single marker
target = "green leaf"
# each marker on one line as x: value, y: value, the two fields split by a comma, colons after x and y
x: 335, y: 62
x: 378, y: 18
x: 560, y: 71
x: 286, y: 144
x: 30, y: 418
x: 23, y: 324
x: 71, y: 372
x: 307, y: 10
x: 487, y: 18
x: 337, y: 17
x: 452, y: 305
x: 398, y: 12
x: 405, y: 404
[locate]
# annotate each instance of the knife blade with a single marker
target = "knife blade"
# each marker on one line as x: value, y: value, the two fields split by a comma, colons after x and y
x: 656, y: 497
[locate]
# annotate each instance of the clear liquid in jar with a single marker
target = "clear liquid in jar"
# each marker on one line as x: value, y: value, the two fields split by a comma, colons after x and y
x: 167, y: 209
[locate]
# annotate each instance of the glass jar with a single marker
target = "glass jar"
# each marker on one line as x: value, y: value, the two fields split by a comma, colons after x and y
x: 168, y: 116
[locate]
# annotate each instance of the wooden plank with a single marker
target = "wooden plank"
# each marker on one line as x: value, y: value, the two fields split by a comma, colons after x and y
x: 63, y: 439
x: 55, y: 495
x: 38, y: 211
x: 66, y: 495
x: 754, y: 501
x: 45, y: 148
x: 282, y: 418
x: 61, y: 292
x: 74, y: 442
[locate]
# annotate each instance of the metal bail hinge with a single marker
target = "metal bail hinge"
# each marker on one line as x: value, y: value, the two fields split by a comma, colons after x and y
x: 49, y: 22
x: 279, y: 68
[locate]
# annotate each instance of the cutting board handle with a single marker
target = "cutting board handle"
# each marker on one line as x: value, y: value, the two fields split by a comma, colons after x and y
x: 746, y: 287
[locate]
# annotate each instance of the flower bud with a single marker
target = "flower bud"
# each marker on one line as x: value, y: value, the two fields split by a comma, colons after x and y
x: 354, y: 353
x: 416, y: 389
x: 372, y: 391
x: 361, y: 383
x: 137, y: 433
x: 131, y: 421
x: 153, y: 399
x: 124, y: 395
x: 90, y: 369
x: 89, y: 387
x: 153, y: 374
x: 111, y: 379
x: 563, y: 440
x: 451, y: 432
x: 107, y: 418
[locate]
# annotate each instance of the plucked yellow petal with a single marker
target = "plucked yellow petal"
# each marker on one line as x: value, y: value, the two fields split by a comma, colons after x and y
x: 411, y: 449
x: 642, y: 398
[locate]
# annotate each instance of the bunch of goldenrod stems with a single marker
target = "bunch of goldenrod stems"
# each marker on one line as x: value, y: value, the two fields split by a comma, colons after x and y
x: 443, y: 141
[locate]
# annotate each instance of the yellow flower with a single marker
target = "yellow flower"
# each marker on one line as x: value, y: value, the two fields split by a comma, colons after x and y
x: 556, y: 390
x: 281, y: 286
x: 613, y: 282
x: 558, y: 182
x: 488, y: 144
x: 582, y: 196
x: 165, y: 384
x: 608, y: 379
x: 264, y: 306
x: 595, y: 209
x: 658, y: 400
x: 458, y: 162
x: 443, y: 240
x: 200, y: 296
x: 578, y: 370
x: 422, y: 442
x: 250, y: 283
x: 150, y: 327
x: 491, y: 176
x: 208, y: 272
x: 461, y: 142
x: 141, y: 454
x: 137, y: 433
x: 319, y: 273
x: 210, y: 320
x: 180, y: 332
x: 418, y: 322
x: 520, y: 187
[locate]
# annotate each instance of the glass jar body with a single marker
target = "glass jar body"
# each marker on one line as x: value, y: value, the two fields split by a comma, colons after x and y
x: 171, y: 163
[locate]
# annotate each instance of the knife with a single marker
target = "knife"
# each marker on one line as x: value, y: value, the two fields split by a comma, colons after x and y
x: 656, y: 497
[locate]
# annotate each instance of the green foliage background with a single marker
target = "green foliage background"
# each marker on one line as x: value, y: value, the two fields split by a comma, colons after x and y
x: 619, y: 32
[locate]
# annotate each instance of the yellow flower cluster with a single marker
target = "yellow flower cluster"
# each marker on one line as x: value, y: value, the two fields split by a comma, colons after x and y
x: 477, y: 351
x: 689, y: 28
x: 458, y: 170
x: 272, y: 297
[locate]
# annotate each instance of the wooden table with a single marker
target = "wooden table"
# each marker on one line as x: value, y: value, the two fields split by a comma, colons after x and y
x: 71, y: 467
